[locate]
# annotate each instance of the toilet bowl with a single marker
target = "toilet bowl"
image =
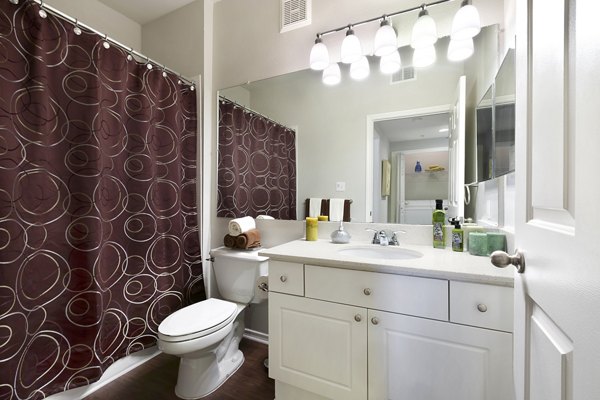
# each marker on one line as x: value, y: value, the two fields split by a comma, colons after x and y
x: 206, y: 335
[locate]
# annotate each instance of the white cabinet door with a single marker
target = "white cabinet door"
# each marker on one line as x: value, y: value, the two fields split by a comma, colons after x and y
x: 420, y: 359
x: 318, y: 346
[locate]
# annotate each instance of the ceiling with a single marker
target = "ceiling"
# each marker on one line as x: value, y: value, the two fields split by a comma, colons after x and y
x: 143, y: 11
x: 414, y: 128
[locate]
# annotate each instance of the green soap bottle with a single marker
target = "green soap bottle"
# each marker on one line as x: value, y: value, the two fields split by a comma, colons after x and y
x: 458, y: 235
x: 437, y: 220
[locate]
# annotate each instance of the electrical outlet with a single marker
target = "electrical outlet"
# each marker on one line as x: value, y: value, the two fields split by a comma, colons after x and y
x: 340, y: 186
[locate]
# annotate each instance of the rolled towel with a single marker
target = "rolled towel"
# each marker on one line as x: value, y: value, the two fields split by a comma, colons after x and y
x: 248, y: 240
x: 240, y: 225
x: 336, y: 209
x: 229, y: 241
x: 264, y: 217
x: 314, y: 207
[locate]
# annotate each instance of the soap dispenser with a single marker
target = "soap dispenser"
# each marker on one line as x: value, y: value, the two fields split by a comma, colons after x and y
x: 457, y: 235
x: 340, y: 235
x: 437, y: 220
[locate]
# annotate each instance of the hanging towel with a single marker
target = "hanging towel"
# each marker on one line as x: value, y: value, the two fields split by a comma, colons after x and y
x: 248, y: 240
x: 264, y: 217
x: 336, y: 209
x: 240, y: 225
x: 314, y: 207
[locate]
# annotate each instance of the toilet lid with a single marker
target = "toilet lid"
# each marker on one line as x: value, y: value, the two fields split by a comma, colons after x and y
x: 197, y: 319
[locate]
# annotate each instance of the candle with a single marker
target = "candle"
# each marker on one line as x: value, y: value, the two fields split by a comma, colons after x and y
x: 312, y: 226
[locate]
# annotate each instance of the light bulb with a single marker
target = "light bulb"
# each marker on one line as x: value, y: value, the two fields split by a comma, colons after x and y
x: 129, y: 57
x: 359, y: 70
x: 319, y: 56
x: 424, y: 31
x: 385, y: 39
x: 459, y: 50
x: 466, y: 23
x: 351, y: 49
x: 106, y: 45
x: 164, y: 74
x: 43, y: 13
x: 332, y: 75
x: 149, y: 66
x: 14, y: 1
x: 424, y: 56
x: 390, y: 63
x: 77, y: 30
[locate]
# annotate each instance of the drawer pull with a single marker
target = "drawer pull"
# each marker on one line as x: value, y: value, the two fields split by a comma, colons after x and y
x: 375, y: 320
x: 357, y: 318
x: 367, y: 292
x: 283, y: 278
x: 482, y: 307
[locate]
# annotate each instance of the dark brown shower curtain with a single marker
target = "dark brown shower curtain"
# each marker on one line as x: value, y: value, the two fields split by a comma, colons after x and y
x: 98, y: 220
x: 257, y: 165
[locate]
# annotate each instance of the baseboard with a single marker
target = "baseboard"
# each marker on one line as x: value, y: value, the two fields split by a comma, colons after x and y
x: 118, y: 369
x: 256, y: 336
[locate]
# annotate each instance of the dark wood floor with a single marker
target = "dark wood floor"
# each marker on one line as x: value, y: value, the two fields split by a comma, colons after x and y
x: 155, y: 380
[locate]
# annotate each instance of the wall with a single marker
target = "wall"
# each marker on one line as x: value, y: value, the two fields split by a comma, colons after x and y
x: 103, y: 19
x: 426, y: 185
x: 176, y: 39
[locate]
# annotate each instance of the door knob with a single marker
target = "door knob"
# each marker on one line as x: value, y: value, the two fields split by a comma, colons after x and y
x: 502, y: 260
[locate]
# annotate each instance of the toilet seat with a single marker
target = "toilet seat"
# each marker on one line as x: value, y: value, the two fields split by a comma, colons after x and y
x: 197, y: 320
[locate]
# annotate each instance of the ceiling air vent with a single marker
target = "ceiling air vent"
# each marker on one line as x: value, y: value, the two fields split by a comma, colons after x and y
x: 295, y: 14
x: 405, y: 74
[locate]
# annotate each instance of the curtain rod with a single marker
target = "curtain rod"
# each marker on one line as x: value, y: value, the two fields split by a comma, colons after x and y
x: 235, y: 104
x: 56, y: 12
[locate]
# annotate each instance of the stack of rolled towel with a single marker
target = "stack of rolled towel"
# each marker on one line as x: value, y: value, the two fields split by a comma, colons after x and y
x: 242, y: 234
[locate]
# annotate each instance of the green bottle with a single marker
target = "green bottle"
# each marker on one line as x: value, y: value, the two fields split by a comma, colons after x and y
x: 458, y: 235
x: 437, y: 220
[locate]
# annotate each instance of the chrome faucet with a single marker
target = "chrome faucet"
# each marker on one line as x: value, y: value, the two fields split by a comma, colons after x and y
x: 380, y: 237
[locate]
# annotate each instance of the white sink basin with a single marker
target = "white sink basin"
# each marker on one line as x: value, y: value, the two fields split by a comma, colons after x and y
x: 380, y: 252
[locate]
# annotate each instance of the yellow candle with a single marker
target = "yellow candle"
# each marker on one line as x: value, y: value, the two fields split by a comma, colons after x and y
x: 312, y: 226
x: 323, y: 218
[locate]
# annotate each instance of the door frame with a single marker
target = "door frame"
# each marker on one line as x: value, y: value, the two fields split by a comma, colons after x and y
x: 371, y: 119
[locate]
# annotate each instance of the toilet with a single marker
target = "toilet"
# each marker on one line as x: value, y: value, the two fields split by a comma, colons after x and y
x: 206, y: 335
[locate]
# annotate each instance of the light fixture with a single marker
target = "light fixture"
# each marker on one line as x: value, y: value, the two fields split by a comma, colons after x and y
x: 42, y: 13
x: 424, y: 31
x: 351, y: 49
x: 164, y: 72
x: 105, y: 43
x: 148, y: 63
x: 459, y: 50
x: 130, y: 56
x: 390, y: 63
x: 332, y: 75
x: 424, y: 56
x: 77, y: 29
x: 14, y: 1
x: 359, y: 70
x: 442, y: 130
x: 466, y: 23
x: 385, y: 39
x: 319, y: 56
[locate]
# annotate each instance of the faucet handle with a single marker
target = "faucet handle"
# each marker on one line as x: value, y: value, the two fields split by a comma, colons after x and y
x: 394, y: 240
x: 376, y: 236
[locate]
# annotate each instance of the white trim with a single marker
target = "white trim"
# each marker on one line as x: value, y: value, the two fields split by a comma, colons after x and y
x: 115, y: 371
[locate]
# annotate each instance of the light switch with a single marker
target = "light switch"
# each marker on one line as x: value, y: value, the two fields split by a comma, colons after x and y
x: 340, y: 186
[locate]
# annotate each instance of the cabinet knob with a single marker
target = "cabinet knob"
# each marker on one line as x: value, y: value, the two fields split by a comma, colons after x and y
x: 367, y: 292
x: 357, y: 318
x: 482, y: 307
x: 375, y: 320
x: 283, y: 278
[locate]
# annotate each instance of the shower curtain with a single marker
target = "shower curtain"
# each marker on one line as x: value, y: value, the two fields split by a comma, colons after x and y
x: 257, y: 165
x: 98, y: 220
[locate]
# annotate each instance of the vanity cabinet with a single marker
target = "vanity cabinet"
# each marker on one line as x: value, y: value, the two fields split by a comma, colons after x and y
x: 358, y: 335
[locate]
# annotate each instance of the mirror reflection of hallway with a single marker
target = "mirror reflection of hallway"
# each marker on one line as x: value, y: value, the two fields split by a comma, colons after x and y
x: 413, y: 189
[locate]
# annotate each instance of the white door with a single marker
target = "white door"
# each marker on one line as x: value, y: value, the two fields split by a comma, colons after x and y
x: 557, y: 298
x: 456, y: 152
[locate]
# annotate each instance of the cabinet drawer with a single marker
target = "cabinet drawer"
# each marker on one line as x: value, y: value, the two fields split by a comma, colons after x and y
x: 286, y: 277
x: 422, y: 297
x: 487, y: 306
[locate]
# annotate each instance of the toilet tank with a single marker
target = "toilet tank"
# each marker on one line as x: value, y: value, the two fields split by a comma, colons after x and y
x: 236, y: 272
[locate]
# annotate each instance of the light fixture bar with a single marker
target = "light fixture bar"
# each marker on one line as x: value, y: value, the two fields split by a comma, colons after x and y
x: 366, y: 21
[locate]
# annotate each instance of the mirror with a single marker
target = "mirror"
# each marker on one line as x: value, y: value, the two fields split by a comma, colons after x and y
x: 332, y: 124
x: 496, y: 124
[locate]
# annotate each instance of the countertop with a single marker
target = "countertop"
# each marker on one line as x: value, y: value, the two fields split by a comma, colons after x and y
x: 435, y: 263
